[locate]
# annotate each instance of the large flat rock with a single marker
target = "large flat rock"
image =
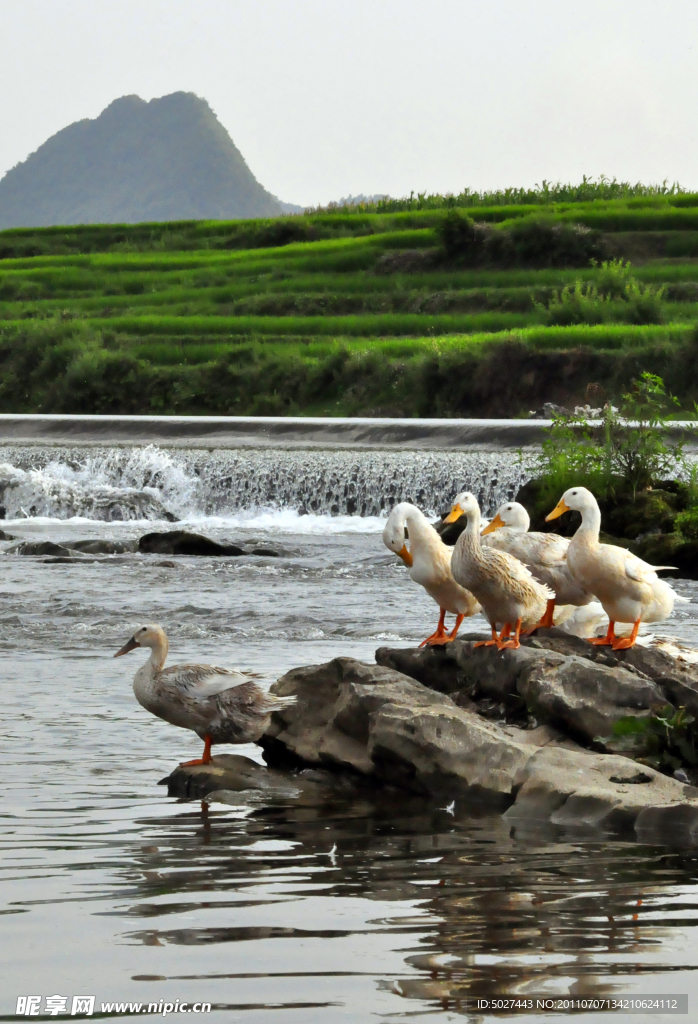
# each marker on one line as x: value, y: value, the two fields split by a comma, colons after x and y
x: 562, y: 680
x: 330, y: 723
x: 378, y: 723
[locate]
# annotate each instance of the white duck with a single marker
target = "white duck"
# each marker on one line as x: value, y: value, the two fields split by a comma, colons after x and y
x: 219, y: 704
x: 429, y: 562
x: 545, y: 554
x: 628, y: 588
x: 503, y: 585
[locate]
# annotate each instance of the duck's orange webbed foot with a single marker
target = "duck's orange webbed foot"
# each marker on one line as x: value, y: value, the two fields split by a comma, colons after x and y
x: 605, y: 641
x: 440, y: 636
x: 503, y: 643
x: 447, y: 638
x: 206, y: 757
x: 489, y: 643
x: 622, y: 643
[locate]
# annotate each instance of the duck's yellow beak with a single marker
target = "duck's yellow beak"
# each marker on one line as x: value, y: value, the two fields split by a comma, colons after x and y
x: 405, y: 555
x: 455, y: 513
x: 493, y: 525
x: 559, y: 509
x: 130, y: 645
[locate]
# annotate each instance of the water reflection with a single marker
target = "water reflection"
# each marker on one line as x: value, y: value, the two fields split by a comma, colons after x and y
x: 480, y: 907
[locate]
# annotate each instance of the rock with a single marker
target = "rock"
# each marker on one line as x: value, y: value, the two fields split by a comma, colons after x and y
x: 450, y: 532
x: 102, y: 547
x: 603, y: 790
x: 330, y: 724
x: 228, y: 776
x: 586, y: 699
x: 73, y: 548
x: 562, y: 680
x: 180, y: 542
x: 444, y: 750
x: 265, y: 552
x: 435, y: 667
x: 6, y: 536
x: 381, y: 724
x: 72, y: 560
x: 677, y: 679
x: 41, y: 547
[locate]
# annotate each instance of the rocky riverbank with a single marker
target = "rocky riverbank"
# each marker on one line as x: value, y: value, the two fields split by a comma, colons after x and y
x: 557, y: 731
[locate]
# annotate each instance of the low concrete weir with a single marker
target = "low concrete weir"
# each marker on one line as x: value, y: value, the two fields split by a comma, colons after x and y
x: 286, y: 431
x: 273, y: 431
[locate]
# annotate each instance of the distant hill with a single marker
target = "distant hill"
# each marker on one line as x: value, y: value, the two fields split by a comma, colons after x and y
x: 169, y: 159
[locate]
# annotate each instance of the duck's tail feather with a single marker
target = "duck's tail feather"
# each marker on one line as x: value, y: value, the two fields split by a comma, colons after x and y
x: 275, y: 703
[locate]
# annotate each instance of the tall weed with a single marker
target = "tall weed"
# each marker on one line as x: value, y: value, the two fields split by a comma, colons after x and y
x: 627, y: 450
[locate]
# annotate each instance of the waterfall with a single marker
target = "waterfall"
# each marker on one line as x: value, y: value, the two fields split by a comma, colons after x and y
x: 154, y: 483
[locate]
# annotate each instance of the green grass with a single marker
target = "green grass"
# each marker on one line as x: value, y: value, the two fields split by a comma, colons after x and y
x: 355, y: 313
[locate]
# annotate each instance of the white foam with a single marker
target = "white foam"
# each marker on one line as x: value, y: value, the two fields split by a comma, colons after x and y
x: 281, y: 490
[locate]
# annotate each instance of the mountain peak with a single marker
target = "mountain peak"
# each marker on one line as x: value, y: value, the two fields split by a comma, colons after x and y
x: 169, y: 158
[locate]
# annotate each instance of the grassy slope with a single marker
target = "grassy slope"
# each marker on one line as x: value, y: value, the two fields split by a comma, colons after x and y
x: 224, y: 317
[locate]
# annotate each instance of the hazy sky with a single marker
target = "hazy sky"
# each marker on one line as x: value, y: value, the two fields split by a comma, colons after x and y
x: 330, y: 97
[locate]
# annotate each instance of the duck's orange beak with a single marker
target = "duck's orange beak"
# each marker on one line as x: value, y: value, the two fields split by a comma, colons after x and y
x: 493, y: 525
x: 559, y: 509
x: 405, y: 555
x: 130, y: 645
x: 455, y: 513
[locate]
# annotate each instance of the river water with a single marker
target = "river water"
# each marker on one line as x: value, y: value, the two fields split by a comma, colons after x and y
x: 355, y: 910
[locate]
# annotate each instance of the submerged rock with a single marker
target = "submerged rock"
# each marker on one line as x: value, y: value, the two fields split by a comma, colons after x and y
x: 102, y: 547
x: 180, y: 542
x: 41, y: 547
x: 73, y: 549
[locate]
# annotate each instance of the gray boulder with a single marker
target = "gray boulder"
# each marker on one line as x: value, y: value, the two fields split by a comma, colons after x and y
x: 585, y: 699
x: 579, y: 695
x: 234, y: 779
x: 445, y: 751
x: 330, y: 724
x: 379, y: 724
x: 578, y: 788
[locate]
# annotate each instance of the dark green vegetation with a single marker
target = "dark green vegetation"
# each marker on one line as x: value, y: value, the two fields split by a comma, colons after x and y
x: 627, y: 462
x: 544, y: 194
x: 354, y: 313
x: 164, y: 160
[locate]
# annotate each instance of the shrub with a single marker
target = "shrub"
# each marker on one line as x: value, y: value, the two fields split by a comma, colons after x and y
x: 537, y: 242
x: 645, y: 304
x: 542, y: 242
x: 628, y: 450
x: 586, y: 303
x: 686, y: 523
x: 581, y: 304
x: 613, y: 278
x: 462, y: 239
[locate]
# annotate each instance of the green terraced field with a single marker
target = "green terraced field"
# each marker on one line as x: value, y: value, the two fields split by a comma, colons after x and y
x: 342, y: 313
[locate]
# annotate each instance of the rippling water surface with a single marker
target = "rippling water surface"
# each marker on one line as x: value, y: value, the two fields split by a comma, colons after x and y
x: 377, y: 908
